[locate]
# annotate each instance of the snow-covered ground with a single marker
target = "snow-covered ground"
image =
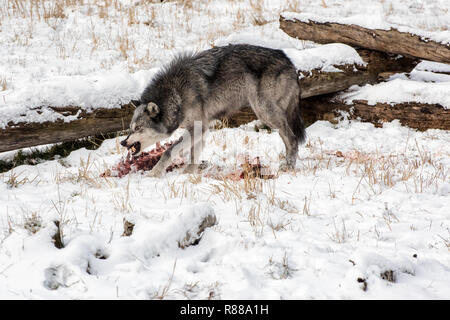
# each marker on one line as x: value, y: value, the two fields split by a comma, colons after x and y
x: 366, y: 214
x: 364, y: 202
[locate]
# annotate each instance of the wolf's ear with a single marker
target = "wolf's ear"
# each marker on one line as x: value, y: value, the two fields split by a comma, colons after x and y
x: 152, y: 109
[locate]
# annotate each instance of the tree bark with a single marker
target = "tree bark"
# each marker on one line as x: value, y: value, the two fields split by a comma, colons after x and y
x: 316, y: 83
x: 100, y: 121
x: 392, y: 41
x: 419, y: 116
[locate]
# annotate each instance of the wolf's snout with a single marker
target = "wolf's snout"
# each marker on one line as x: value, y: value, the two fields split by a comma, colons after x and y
x: 135, y: 147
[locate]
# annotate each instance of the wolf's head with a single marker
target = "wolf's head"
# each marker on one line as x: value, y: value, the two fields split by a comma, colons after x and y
x: 146, y: 128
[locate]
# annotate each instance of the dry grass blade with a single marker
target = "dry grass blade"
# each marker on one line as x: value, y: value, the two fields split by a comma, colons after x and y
x: 166, y: 288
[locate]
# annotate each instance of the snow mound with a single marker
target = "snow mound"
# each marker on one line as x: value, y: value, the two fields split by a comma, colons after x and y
x: 324, y: 57
x: 398, y: 91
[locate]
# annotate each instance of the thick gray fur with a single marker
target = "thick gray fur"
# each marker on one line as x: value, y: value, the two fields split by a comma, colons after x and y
x: 214, y: 84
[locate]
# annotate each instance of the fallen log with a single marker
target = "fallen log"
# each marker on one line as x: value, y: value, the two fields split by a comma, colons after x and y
x: 102, y: 121
x: 316, y: 82
x: 421, y: 116
x: 392, y: 41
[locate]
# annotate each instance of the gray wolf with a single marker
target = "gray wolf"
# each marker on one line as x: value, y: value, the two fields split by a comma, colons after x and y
x: 213, y: 84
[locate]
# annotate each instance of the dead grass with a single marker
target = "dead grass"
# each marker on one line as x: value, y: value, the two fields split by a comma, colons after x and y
x: 280, y: 270
x: 340, y: 234
x: 88, y: 173
x: 183, y: 190
x: 446, y: 240
x: 14, y: 180
x: 229, y: 189
x: 128, y: 20
x: 291, y: 6
x: 161, y: 294
x: 377, y: 172
x: 32, y: 222
x: 3, y: 84
x: 306, y: 206
x: 195, y: 178
x: 121, y: 200
x: 61, y: 208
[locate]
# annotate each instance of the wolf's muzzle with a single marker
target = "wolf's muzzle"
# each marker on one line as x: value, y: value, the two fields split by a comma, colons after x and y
x: 124, y: 142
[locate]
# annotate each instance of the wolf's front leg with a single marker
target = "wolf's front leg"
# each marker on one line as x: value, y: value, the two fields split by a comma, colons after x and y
x: 160, y: 168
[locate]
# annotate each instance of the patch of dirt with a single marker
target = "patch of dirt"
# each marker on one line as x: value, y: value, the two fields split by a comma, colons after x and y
x: 388, y: 275
x: 127, y: 228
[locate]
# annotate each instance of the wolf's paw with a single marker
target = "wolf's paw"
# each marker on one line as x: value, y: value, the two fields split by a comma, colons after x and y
x: 155, y: 173
x: 204, y: 165
x: 191, y: 168
x: 286, y: 167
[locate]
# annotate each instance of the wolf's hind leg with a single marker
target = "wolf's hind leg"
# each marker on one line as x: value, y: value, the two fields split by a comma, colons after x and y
x: 277, y: 118
x: 291, y: 144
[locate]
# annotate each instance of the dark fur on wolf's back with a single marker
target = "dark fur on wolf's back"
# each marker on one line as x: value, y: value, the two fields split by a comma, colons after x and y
x: 218, y: 82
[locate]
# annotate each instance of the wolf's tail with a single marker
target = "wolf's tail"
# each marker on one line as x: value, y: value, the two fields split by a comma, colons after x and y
x: 297, y: 124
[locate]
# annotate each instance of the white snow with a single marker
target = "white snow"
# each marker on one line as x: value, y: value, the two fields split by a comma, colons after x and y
x: 268, y: 35
x: 433, y: 66
x: 378, y: 205
x: 324, y: 57
x: 400, y: 90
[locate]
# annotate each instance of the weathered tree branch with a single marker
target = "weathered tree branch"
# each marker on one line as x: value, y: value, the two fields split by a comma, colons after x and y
x: 316, y: 83
x: 100, y: 121
x: 392, y: 41
x: 421, y: 116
